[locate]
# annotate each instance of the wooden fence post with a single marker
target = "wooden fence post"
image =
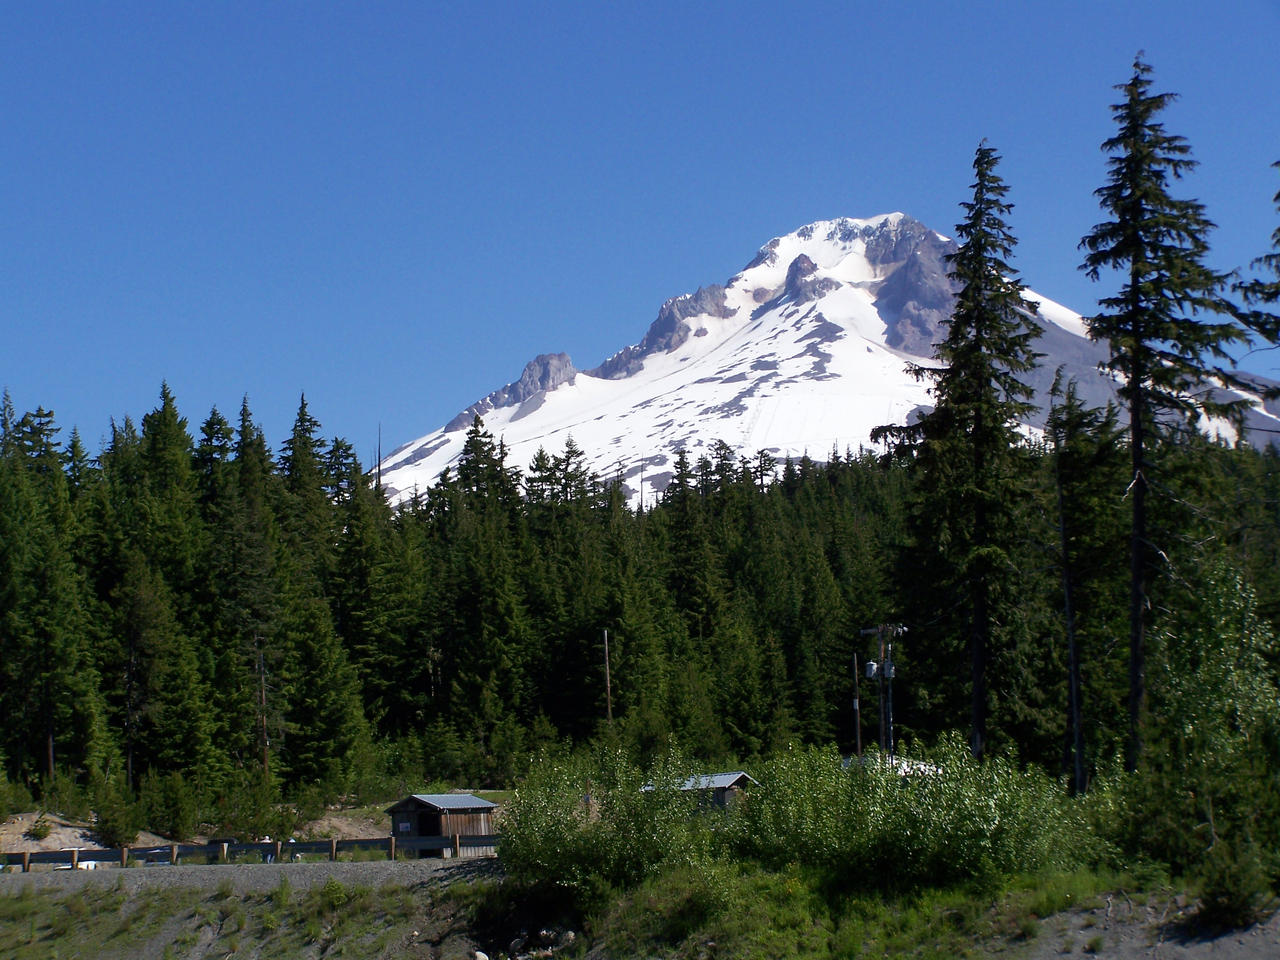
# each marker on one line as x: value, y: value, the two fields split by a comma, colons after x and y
x: 222, y: 852
x: 391, y: 848
x: 124, y: 856
x: 277, y: 853
x: 26, y: 862
x: 75, y: 858
x: 457, y: 845
x: 333, y: 848
x: 173, y: 854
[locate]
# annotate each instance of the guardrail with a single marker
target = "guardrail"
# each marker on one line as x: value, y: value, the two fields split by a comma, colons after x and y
x: 227, y: 852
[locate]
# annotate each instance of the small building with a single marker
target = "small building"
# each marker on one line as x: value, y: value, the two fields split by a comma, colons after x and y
x: 716, y: 789
x: 443, y: 816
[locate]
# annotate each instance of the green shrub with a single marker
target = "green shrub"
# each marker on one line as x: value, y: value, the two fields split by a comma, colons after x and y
x: 119, y: 816
x: 1232, y: 886
x: 14, y: 798
x: 1213, y: 742
x: 588, y: 823
x: 249, y: 807
x: 871, y: 827
x: 61, y: 794
x: 170, y: 804
x: 39, y: 830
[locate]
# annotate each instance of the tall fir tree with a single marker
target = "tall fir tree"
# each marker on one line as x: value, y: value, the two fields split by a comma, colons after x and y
x: 1169, y: 328
x: 1259, y: 292
x: 966, y: 450
x: 1086, y: 454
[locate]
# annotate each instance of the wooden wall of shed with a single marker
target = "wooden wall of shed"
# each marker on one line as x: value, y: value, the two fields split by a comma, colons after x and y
x: 467, y: 823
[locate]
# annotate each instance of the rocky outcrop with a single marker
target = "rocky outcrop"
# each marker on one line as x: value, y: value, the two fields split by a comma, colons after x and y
x: 667, y: 332
x: 802, y: 285
x: 917, y: 297
x: 543, y: 373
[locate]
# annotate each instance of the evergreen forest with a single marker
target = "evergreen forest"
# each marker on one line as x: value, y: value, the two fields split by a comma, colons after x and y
x: 195, y: 621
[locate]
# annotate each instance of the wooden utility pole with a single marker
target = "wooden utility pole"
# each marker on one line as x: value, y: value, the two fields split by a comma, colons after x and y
x: 608, y: 683
x: 262, y: 709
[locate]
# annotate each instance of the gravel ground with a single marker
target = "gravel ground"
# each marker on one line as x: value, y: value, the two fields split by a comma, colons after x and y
x: 1153, y: 930
x: 249, y: 878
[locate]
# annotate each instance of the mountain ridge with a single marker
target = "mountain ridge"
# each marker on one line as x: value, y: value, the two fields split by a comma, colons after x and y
x: 801, y: 352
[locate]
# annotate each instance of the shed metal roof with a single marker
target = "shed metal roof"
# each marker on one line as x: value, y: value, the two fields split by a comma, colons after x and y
x: 712, y: 781
x: 446, y: 801
x: 716, y: 781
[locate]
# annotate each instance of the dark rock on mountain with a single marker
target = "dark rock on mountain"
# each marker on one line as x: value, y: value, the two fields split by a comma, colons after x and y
x: 668, y: 331
x: 543, y: 373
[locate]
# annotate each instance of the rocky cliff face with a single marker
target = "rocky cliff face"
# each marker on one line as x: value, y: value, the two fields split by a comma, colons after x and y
x: 667, y: 332
x: 543, y: 373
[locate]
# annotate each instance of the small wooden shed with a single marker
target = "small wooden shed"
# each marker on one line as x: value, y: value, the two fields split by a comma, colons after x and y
x: 719, y: 789
x: 447, y: 815
x: 715, y: 789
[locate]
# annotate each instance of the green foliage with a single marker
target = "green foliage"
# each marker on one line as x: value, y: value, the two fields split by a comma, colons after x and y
x: 943, y: 820
x: 1215, y: 733
x: 598, y: 822
x: 1233, y: 886
x: 249, y: 807
x: 744, y: 912
x: 119, y: 816
x: 61, y: 794
x: 14, y: 797
x: 171, y: 804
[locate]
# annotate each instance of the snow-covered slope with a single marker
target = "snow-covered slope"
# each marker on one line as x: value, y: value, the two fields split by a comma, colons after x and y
x: 803, y: 352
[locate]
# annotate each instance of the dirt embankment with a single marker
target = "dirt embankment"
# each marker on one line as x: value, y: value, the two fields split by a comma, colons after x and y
x: 21, y: 834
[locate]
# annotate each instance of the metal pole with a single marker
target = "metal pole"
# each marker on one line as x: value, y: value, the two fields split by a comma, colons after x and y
x: 857, y: 707
x: 880, y: 677
x: 888, y: 669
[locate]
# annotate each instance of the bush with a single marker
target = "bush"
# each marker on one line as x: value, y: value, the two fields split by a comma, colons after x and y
x: 171, y: 805
x: 14, y: 798
x: 248, y: 807
x: 119, y: 815
x: 1214, y: 737
x: 872, y: 827
x: 1233, y: 887
x: 61, y: 794
x: 593, y: 823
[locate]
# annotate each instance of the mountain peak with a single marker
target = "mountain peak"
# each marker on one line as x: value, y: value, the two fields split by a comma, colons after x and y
x: 803, y: 351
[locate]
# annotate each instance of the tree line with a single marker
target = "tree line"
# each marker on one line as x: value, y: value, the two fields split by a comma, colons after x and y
x: 190, y: 611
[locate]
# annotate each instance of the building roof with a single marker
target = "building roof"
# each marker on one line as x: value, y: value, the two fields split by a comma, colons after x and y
x: 713, y: 781
x: 444, y: 801
x: 717, y: 781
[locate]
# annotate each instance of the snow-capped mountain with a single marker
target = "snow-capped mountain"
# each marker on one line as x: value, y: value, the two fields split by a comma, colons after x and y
x: 803, y: 352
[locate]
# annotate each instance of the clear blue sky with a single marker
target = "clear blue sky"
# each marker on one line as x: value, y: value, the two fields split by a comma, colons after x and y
x: 393, y: 206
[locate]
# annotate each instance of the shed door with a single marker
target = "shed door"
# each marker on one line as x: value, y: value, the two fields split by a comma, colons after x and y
x: 429, y: 825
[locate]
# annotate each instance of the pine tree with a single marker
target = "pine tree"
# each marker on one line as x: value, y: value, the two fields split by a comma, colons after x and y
x: 1086, y: 456
x: 1167, y: 354
x: 966, y: 449
x: 49, y: 692
x: 1259, y: 292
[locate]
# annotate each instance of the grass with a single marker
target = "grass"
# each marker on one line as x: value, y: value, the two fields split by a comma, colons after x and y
x: 732, y: 910
x: 703, y: 910
x: 337, y: 920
